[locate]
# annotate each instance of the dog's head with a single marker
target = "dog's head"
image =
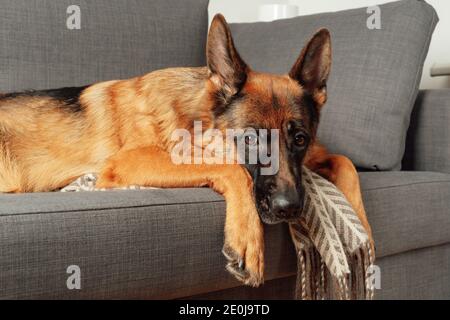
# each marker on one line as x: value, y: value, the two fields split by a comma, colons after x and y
x: 290, y: 103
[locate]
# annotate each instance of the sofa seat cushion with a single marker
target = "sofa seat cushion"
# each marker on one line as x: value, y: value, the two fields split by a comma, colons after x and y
x: 128, y: 244
x: 167, y: 243
x: 407, y: 210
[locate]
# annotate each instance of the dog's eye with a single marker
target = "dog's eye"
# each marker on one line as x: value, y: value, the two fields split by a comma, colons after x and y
x: 251, y: 139
x: 300, y: 139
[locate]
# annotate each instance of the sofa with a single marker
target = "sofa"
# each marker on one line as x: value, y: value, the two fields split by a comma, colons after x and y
x: 166, y: 243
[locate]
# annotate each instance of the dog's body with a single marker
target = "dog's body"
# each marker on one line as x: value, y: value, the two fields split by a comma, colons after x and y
x: 122, y: 129
x: 48, y: 138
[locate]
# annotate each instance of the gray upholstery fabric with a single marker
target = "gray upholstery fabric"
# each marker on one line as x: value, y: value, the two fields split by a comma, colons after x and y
x: 118, y: 39
x: 417, y: 274
x: 428, y: 142
x: 167, y: 243
x: 407, y: 210
x: 374, y: 78
x: 278, y: 289
x: 143, y: 244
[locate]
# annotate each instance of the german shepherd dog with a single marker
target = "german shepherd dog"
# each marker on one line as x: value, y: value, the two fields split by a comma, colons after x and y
x: 122, y: 130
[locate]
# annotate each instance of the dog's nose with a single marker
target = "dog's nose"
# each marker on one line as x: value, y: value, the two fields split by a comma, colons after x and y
x: 286, y: 205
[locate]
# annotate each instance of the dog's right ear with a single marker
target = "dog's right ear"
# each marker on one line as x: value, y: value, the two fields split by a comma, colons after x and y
x: 227, y: 69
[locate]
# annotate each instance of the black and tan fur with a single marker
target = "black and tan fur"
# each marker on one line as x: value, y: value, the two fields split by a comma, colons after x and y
x: 122, y: 130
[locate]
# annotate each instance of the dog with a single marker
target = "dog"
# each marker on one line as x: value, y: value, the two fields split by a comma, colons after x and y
x: 121, y: 129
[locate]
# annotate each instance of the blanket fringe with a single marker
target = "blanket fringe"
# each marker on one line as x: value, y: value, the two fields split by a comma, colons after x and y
x: 313, y: 276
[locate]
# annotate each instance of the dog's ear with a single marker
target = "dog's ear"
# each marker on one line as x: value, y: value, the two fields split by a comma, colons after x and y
x: 313, y: 65
x: 227, y: 69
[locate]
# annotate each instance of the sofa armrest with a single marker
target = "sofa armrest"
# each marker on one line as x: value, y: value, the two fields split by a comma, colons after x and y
x: 428, y: 139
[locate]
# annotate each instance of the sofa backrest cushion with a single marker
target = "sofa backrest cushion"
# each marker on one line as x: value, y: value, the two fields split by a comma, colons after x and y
x: 374, y: 78
x: 118, y: 39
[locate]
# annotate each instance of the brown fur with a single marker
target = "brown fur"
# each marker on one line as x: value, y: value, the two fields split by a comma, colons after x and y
x: 124, y: 128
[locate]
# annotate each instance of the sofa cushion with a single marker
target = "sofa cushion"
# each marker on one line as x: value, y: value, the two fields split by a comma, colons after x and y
x: 167, y: 243
x: 419, y: 274
x: 128, y: 244
x: 407, y: 210
x: 374, y: 78
x: 118, y: 39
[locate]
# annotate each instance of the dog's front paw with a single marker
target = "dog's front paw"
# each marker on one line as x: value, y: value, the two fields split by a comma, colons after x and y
x: 246, y: 260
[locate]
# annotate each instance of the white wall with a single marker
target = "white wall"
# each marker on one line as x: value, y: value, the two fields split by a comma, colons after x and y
x: 247, y: 11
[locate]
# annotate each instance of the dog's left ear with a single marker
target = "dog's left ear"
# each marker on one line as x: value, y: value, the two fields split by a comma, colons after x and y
x: 313, y: 66
x: 227, y: 69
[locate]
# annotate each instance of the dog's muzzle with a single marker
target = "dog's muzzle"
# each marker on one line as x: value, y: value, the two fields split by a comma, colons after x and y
x: 286, y: 205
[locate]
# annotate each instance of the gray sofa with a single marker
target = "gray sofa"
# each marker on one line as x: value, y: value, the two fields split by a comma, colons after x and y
x: 167, y: 243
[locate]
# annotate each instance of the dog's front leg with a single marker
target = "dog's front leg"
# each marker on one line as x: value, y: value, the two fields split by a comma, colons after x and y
x: 244, y: 241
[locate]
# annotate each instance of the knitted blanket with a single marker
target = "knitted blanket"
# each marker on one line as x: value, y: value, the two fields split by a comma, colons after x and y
x: 334, y: 256
x: 333, y: 249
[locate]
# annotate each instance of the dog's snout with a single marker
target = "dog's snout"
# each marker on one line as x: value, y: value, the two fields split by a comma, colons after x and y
x: 287, y: 204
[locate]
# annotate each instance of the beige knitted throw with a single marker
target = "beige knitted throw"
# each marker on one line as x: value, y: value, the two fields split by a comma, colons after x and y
x: 333, y: 252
